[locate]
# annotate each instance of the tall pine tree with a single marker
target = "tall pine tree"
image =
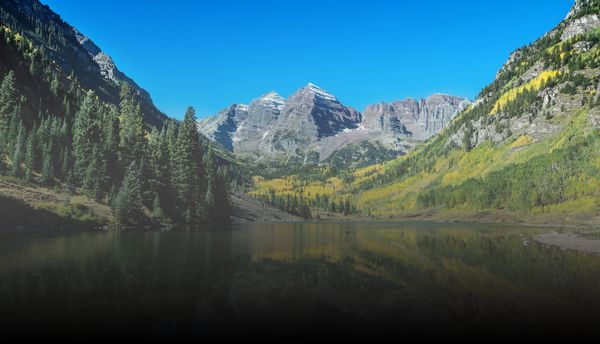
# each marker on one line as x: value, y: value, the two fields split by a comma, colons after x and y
x: 131, y: 127
x: 128, y: 201
x: 86, y: 134
x: 188, y: 174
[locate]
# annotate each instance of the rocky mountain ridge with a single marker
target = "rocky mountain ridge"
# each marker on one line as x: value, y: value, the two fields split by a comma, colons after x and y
x: 312, y: 124
x: 75, y: 53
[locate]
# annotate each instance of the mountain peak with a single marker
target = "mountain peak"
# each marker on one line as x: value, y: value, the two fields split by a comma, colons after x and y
x: 318, y: 91
x: 272, y: 96
x: 270, y: 100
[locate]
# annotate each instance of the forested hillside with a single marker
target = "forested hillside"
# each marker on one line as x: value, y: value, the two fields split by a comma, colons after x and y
x: 77, y: 55
x: 55, y: 134
x: 528, y: 149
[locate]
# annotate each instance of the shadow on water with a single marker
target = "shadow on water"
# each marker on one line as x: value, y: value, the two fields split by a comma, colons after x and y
x: 412, y: 278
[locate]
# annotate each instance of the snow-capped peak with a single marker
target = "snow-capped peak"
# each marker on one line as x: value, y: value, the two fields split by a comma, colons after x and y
x: 321, y: 93
x: 272, y: 100
x: 242, y: 107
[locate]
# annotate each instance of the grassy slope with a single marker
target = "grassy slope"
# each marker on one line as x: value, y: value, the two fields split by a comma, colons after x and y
x: 401, y: 198
x: 25, y: 204
x: 572, y: 154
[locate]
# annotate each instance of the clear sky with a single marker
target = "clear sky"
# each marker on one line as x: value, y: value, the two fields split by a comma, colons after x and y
x: 210, y: 54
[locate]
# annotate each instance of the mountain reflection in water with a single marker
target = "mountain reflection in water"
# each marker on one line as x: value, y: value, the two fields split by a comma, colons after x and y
x: 334, y: 278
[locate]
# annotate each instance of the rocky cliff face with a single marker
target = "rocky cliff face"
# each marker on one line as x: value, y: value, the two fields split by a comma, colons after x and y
x: 410, y: 118
x: 313, y: 123
x: 263, y: 113
x: 73, y: 52
x: 308, y: 115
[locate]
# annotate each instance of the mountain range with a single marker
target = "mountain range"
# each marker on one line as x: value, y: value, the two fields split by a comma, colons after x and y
x: 312, y: 125
x: 526, y: 150
x: 528, y: 147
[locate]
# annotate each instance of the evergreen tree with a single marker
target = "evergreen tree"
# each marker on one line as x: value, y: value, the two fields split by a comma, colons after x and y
x: 159, y: 162
x: 18, y: 152
x: 47, y: 163
x: 467, y: 135
x: 188, y: 173
x: 86, y: 134
x: 93, y: 181
x: 111, y: 143
x: 30, y: 156
x: 131, y: 127
x: 8, y: 104
x: 66, y: 170
x: 128, y: 201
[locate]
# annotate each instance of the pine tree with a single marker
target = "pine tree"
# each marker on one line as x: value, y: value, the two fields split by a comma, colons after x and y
x: 128, y: 201
x: 66, y: 170
x: 13, y: 129
x: 8, y: 103
x: 18, y: 152
x: 158, y: 162
x: 111, y: 143
x: 467, y: 134
x: 30, y: 156
x: 188, y: 173
x: 93, y: 181
x: 47, y: 164
x: 86, y: 134
x: 131, y: 127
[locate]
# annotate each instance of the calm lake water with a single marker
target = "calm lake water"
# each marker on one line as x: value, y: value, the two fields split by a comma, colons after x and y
x: 412, y: 278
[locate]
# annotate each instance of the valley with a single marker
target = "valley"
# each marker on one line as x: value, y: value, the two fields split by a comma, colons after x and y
x: 458, y: 195
x: 525, y: 150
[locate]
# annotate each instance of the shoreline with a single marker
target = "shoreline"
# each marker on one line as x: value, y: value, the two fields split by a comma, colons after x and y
x: 495, y: 218
x: 569, y: 241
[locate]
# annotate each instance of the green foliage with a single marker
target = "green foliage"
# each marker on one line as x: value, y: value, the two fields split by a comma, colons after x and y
x: 8, y: 103
x: 188, y: 172
x: 131, y: 127
x: 293, y: 204
x: 128, y: 202
x: 87, y: 145
x: 545, y: 180
x: 18, y: 156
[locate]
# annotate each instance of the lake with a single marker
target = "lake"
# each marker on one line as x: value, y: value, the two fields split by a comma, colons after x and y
x: 303, y: 279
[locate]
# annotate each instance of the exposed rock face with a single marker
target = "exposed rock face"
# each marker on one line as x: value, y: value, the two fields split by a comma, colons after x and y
x: 309, y: 114
x: 262, y: 115
x: 312, y: 122
x: 580, y: 26
x: 74, y: 53
x: 415, y: 119
x: 223, y: 127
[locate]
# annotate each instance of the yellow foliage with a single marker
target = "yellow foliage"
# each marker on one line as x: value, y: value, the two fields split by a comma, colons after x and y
x: 369, y: 170
x: 475, y: 163
x: 534, y: 84
x: 523, y: 140
x: 558, y: 46
x: 293, y: 185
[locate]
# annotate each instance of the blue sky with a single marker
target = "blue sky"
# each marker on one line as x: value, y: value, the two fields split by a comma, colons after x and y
x: 210, y: 54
